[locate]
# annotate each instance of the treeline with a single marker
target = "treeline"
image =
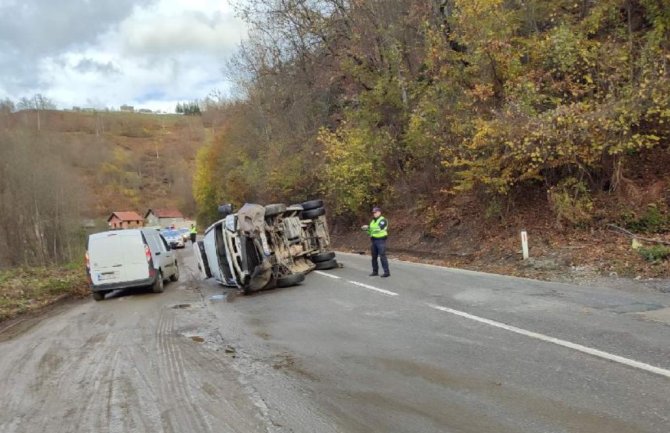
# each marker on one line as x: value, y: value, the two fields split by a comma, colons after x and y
x: 377, y: 101
x: 41, y: 200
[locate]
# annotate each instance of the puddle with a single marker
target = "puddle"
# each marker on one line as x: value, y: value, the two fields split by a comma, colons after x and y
x: 216, y: 298
x: 635, y: 307
x: 181, y: 306
x: 198, y: 339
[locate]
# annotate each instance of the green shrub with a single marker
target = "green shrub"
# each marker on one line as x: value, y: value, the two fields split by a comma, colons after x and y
x: 652, y: 221
x: 571, y: 201
x: 655, y: 253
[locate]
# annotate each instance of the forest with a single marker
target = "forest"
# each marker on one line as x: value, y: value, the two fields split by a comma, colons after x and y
x: 420, y: 105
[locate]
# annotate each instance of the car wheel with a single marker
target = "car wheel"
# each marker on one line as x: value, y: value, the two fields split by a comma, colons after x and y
x: 159, y: 285
x: 312, y: 204
x: 322, y: 257
x: 312, y: 213
x: 328, y: 264
x: 274, y: 209
x: 290, y: 280
x: 99, y: 296
x: 175, y: 276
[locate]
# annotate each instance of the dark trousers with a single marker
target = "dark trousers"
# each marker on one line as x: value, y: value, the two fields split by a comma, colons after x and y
x: 379, y: 250
x: 193, y: 235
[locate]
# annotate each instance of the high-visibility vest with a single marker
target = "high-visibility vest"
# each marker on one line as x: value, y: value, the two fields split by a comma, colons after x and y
x: 376, y: 231
x: 194, y: 231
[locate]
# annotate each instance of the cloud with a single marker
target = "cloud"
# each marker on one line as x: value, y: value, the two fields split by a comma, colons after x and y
x: 91, y: 66
x: 115, y: 52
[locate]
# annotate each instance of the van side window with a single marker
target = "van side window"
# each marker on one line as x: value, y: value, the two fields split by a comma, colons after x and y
x: 151, y: 241
x: 165, y: 246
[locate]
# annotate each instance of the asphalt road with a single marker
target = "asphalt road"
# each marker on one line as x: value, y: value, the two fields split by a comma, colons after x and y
x: 428, y: 350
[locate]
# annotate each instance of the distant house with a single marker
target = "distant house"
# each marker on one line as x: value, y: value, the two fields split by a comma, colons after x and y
x: 163, y: 218
x: 128, y: 108
x: 125, y: 220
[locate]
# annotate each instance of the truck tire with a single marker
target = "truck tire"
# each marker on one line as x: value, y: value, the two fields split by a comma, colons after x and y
x: 159, y: 285
x: 322, y: 257
x: 312, y: 204
x: 328, y: 264
x: 99, y: 296
x: 274, y: 209
x: 312, y: 213
x: 225, y: 210
x: 290, y: 280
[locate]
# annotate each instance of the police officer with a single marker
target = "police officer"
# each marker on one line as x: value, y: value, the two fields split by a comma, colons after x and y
x: 193, y: 232
x: 378, y: 231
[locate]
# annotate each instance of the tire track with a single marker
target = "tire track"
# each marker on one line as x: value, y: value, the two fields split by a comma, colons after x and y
x: 178, y: 384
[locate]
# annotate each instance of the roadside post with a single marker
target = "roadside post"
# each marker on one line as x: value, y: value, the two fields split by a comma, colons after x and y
x: 524, y: 244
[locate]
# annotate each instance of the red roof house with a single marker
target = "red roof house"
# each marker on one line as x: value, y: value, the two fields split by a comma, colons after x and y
x: 125, y: 220
x: 163, y: 217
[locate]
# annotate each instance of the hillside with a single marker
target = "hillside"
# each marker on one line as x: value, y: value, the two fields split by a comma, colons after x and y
x: 63, y: 168
x: 465, y: 120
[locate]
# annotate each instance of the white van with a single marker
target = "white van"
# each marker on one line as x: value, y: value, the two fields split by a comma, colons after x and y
x: 123, y: 259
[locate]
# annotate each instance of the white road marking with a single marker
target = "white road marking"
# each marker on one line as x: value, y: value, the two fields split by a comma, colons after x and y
x: 377, y: 289
x: 574, y: 346
x: 327, y: 274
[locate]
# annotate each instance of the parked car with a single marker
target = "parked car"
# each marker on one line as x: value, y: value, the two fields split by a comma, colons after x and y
x: 122, y: 259
x: 185, y: 234
x: 174, y: 238
x: 262, y: 247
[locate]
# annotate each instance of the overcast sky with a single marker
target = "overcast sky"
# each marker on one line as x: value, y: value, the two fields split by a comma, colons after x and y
x: 106, y: 53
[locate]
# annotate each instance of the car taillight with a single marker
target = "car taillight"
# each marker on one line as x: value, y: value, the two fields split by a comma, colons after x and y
x: 87, y: 262
x: 150, y: 262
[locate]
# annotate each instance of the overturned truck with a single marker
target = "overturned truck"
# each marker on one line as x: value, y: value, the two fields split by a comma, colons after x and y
x: 263, y: 247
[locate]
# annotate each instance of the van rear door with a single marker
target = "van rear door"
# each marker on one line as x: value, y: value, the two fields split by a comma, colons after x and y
x: 117, y: 257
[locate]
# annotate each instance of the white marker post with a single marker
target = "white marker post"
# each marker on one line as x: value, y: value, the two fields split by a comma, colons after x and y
x: 524, y: 244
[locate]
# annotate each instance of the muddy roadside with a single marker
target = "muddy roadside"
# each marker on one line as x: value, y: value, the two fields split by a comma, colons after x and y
x: 26, y: 293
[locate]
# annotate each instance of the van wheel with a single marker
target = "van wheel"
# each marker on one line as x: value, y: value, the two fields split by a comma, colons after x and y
x: 175, y: 276
x: 328, y: 264
x: 322, y: 257
x: 312, y: 213
x: 99, y: 296
x: 312, y: 204
x: 158, y: 286
x: 274, y: 209
x: 290, y: 280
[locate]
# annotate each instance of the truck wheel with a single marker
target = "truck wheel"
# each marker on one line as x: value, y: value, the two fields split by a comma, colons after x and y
x: 175, y: 276
x: 312, y: 204
x: 328, y: 264
x: 99, y: 296
x: 312, y: 213
x: 158, y: 286
x: 225, y: 210
x: 274, y: 209
x: 290, y: 280
x: 322, y: 257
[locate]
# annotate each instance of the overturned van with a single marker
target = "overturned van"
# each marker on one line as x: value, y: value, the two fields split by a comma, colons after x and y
x: 263, y: 247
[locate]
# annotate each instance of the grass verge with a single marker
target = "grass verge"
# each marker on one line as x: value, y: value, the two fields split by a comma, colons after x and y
x: 24, y: 290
